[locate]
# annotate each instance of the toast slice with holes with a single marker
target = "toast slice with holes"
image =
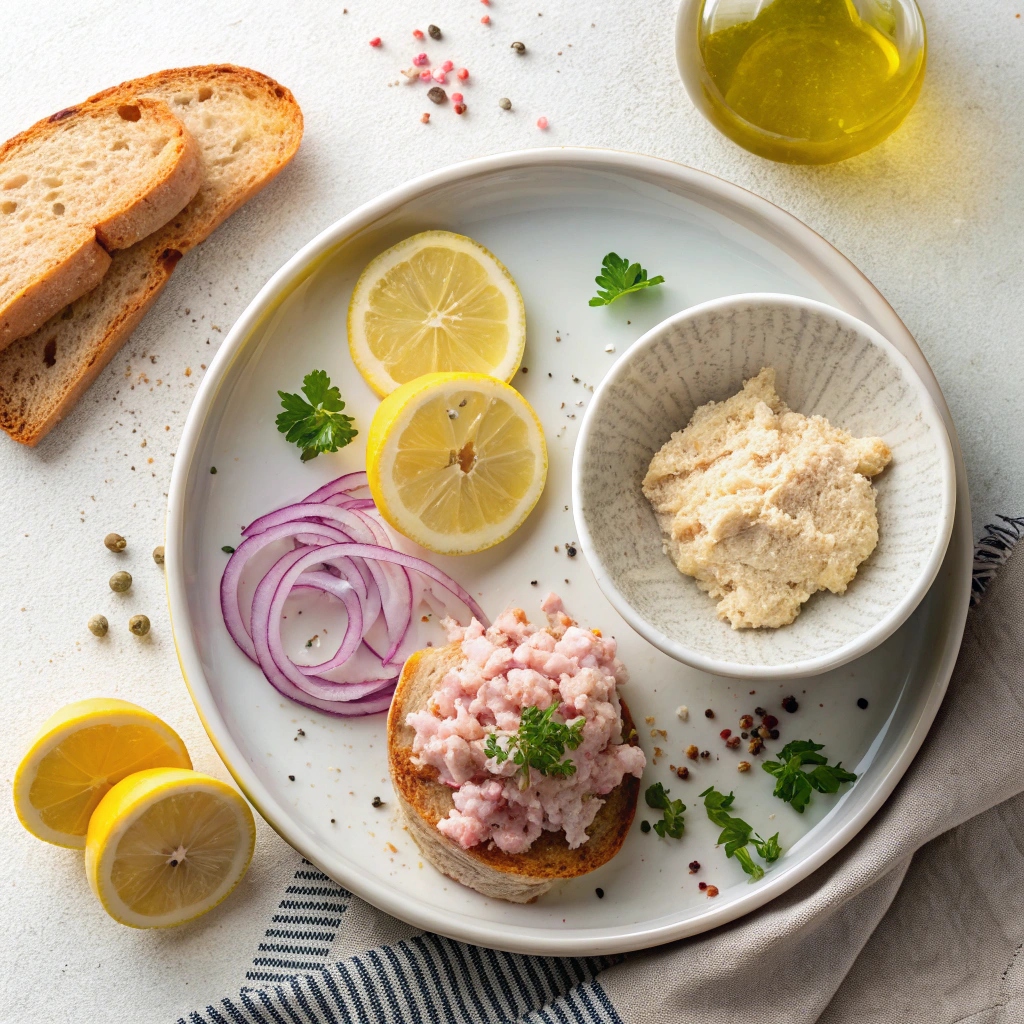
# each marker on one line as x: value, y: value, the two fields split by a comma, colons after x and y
x: 247, y: 127
x: 78, y: 185
x: 424, y: 802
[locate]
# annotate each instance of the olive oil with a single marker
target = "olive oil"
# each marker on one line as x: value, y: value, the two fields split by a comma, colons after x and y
x: 810, y: 81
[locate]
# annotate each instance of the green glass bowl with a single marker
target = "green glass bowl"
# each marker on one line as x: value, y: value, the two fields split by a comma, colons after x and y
x: 897, y: 24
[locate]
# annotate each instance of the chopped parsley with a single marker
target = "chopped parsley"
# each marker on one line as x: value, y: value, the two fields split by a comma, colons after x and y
x: 793, y: 784
x: 539, y: 743
x: 317, y: 425
x: 736, y: 834
x: 619, y: 277
x: 671, y: 823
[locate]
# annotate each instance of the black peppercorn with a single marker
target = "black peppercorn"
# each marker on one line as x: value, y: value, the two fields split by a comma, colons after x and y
x: 600, y: 893
x: 377, y: 802
x: 645, y: 826
x: 434, y: 32
x: 861, y: 703
x: 709, y: 713
x: 760, y: 712
x: 789, y: 704
x: 437, y: 95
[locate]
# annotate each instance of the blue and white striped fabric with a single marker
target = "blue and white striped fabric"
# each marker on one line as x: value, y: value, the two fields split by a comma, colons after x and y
x: 423, y: 978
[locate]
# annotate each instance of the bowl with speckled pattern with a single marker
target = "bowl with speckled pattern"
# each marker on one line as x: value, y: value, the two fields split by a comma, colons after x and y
x: 827, y: 363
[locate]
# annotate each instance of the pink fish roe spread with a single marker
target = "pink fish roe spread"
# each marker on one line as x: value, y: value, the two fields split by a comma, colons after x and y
x: 508, y: 667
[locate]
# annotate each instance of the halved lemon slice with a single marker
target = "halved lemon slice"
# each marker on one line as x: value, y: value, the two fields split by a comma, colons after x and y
x: 435, y: 302
x: 167, y: 845
x: 456, y: 461
x: 80, y: 753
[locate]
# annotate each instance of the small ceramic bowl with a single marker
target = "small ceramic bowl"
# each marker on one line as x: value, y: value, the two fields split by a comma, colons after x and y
x: 826, y: 363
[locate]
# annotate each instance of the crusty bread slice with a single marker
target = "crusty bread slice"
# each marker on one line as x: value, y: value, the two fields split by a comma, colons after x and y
x: 80, y: 183
x: 425, y: 801
x: 247, y: 128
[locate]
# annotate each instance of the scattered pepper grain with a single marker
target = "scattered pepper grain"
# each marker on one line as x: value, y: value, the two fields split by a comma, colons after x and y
x: 98, y: 625
x: 709, y: 713
x: 743, y: 766
x: 520, y: 48
x: 139, y: 625
x: 377, y: 802
x: 158, y: 554
x: 789, y: 704
x: 505, y: 103
x: 712, y: 891
x: 600, y: 893
x: 693, y: 751
x: 114, y: 542
x: 861, y: 703
x: 434, y: 32
x: 645, y: 826
x: 120, y: 582
x: 694, y: 866
x: 437, y: 95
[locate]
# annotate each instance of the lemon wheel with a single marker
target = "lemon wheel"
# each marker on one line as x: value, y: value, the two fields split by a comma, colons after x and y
x: 435, y: 302
x: 456, y: 461
x: 80, y: 753
x: 167, y: 845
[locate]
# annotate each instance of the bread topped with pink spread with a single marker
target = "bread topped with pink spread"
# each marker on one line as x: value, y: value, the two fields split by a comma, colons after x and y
x: 515, y: 762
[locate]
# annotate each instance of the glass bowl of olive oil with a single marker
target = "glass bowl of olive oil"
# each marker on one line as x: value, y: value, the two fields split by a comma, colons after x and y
x: 802, y: 81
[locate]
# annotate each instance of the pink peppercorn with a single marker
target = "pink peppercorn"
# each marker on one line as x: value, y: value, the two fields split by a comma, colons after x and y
x: 542, y: 123
x: 457, y: 97
x: 425, y: 75
x: 486, y: 3
x: 420, y: 59
x: 459, y: 108
x: 440, y: 75
x: 485, y: 20
x: 425, y: 118
x: 702, y: 886
x: 417, y: 33
x: 375, y: 41
x: 448, y: 65
x: 462, y: 74
x: 725, y: 733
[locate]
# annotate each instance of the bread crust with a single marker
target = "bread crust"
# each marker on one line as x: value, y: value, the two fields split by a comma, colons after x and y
x: 424, y: 801
x: 79, y: 265
x: 44, y: 374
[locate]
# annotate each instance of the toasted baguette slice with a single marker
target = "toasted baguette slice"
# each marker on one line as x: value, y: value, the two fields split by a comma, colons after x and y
x: 247, y: 128
x: 425, y: 801
x: 85, y: 181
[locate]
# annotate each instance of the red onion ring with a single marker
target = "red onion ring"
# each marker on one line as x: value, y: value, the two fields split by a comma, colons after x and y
x: 339, y: 548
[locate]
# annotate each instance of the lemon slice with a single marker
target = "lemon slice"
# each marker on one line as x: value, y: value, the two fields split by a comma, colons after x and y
x: 79, y: 754
x: 167, y: 845
x: 435, y: 302
x: 456, y: 461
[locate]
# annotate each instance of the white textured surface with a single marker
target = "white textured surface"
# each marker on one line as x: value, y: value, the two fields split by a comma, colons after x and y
x: 826, y: 365
x: 933, y: 217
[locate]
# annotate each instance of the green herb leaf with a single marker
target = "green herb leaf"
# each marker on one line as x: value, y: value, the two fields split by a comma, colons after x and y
x: 619, y: 277
x: 793, y: 784
x: 316, y: 424
x: 736, y: 834
x: 671, y: 823
x: 539, y: 743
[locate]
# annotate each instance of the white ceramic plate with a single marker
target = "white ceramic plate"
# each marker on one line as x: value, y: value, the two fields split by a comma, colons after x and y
x: 550, y: 216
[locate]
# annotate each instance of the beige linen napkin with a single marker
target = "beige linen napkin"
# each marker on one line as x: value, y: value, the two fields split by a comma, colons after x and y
x: 900, y: 925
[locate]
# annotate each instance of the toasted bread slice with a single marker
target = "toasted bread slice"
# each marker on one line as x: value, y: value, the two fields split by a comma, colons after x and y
x: 247, y: 128
x: 84, y: 181
x: 425, y: 801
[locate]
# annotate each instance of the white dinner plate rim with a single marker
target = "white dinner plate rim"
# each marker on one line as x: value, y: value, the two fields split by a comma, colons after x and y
x: 525, y: 939
x: 852, y: 649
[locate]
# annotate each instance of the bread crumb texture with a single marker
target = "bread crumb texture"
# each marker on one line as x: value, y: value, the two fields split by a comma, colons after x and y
x: 764, y: 506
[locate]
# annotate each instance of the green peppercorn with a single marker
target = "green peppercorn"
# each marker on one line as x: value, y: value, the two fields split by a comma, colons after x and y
x: 505, y: 103
x: 158, y: 554
x: 98, y: 625
x: 114, y: 542
x: 120, y: 582
x: 139, y: 625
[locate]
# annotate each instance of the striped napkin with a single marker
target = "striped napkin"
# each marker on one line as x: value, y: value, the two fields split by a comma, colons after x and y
x: 920, y: 918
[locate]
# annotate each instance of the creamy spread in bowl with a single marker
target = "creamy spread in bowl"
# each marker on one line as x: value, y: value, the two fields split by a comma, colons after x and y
x: 511, y: 666
x: 764, y: 506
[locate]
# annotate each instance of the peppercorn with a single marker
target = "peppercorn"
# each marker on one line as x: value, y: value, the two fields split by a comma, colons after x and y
x: 683, y: 772
x: 291, y: 778
x: 600, y: 893
x: 733, y: 742
x: 645, y: 826
x: 570, y: 551
x: 213, y: 470
x: 139, y: 625
x: 228, y: 549
x: 790, y: 704
x: 377, y: 802
x: 755, y: 746
x: 520, y: 48
x: 771, y: 721
x: 743, y: 766
x: 693, y: 751
x: 763, y: 731
x: 760, y: 712
x: 745, y: 735
x: 725, y: 733
x: 861, y: 703
x: 702, y: 886
x: 505, y: 103
x: 774, y: 734
x: 98, y: 625
x: 437, y: 95
x: 694, y: 866
x: 709, y: 713
x: 434, y: 32
x: 114, y: 542
x: 158, y: 554
x: 705, y: 754
x: 746, y: 722
x: 533, y: 583
x: 120, y: 582
x: 712, y: 891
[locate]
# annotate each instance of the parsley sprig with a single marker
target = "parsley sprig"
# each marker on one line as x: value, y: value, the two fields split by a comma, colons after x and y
x: 671, y: 823
x: 736, y: 834
x: 317, y: 425
x: 793, y: 784
x: 539, y: 743
x: 619, y: 277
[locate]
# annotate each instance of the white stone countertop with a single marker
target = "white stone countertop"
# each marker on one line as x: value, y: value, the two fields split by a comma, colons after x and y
x: 934, y: 217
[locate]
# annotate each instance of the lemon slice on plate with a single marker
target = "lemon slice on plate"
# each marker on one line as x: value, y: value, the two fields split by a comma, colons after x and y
x: 435, y: 302
x: 79, y: 754
x: 456, y: 461
x: 167, y: 845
